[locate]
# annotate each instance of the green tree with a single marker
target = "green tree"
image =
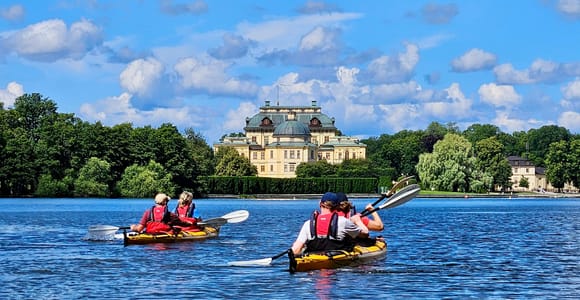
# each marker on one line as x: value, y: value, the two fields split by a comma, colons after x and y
x: 491, y: 160
x: 449, y: 167
x: 94, y: 179
x: 145, y: 181
x: 201, y: 151
x: 557, y: 162
x: 50, y: 187
x: 574, y: 162
x: 231, y: 163
x: 539, y: 141
x: 320, y: 168
x: 361, y: 168
x: 524, y: 182
x: 478, y: 132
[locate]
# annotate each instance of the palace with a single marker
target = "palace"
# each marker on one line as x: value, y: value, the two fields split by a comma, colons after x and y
x: 279, y: 138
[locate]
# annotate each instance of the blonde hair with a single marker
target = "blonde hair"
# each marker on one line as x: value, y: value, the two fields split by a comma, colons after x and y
x: 185, y: 198
x: 161, y: 198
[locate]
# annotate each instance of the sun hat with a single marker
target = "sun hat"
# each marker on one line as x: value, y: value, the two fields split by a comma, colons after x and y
x: 161, y: 198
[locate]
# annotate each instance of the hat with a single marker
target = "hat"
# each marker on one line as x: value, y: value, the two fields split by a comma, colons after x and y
x: 329, y: 196
x: 341, y: 197
x: 161, y: 198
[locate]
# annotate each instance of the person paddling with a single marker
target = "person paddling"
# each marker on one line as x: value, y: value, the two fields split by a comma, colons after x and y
x: 346, y: 209
x: 186, y: 211
x: 158, y: 219
x: 326, y: 230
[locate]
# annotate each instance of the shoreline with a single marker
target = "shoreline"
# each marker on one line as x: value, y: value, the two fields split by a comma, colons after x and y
x: 374, y: 196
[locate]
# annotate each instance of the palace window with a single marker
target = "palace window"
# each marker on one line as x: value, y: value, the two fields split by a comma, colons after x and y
x: 298, y: 154
x: 262, y: 155
x: 285, y: 154
x: 254, y: 155
x: 291, y: 154
x: 271, y: 154
x: 262, y: 168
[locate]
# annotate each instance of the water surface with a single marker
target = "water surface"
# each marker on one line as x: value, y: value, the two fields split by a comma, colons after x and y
x: 438, y: 248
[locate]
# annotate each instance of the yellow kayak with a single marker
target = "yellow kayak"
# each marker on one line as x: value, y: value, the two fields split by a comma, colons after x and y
x: 133, y: 238
x: 338, y: 258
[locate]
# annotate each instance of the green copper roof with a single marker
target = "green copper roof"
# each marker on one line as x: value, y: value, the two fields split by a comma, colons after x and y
x: 291, y: 128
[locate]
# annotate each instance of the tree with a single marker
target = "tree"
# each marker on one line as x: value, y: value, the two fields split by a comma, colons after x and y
x: 478, y: 132
x: 539, y: 141
x: 201, y: 151
x: 524, y: 182
x: 94, y: 179
x: 145, y: 181
x: 491, y: 160
x: 356, y: 168
x: 319, y: 168
x: 557, y: 161
x: 574, y: 162
x: 231, y: 163
x: 449, y: 167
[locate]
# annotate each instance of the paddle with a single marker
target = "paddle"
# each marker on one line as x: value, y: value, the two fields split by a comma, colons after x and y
x: 258, y: 262
x: 232, y: 217
x: 402, y: 196
x: 393, y: 189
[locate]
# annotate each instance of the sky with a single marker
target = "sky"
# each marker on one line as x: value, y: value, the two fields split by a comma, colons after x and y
x: 377, y: 67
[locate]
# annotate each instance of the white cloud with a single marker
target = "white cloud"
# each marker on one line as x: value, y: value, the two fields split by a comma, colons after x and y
x: 13, y: 90
x: 569, y: 7
x: 540, y: 71
x: 51, y: 40
x: 457, y: 105
x: 504, y: 122
x: 12, y: 13
x: 236, y: 119
x: 499, y: 95
x: 319, y: 39
x: 211, y: 77
x: 142, y: 77
x: 474, y: 60
x: 396, y: 91
x: 392, y: 69
x: 571, y: 90
x: 570, y: 120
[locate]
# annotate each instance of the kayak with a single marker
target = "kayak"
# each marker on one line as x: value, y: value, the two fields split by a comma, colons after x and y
x: 337, y: 258
x: 134, y: 238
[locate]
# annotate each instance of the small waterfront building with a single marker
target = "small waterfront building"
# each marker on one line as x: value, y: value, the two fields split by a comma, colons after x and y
x: 536, y: 177
x: 279, y: 138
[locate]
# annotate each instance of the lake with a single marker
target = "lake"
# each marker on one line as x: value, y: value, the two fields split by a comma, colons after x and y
x: 438, y: 248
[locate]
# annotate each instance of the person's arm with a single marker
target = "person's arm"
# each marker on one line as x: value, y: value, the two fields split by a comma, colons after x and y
x: 374, y: 224
x: 142, y: 223
x: 298, y: 245
x: 364, y: 231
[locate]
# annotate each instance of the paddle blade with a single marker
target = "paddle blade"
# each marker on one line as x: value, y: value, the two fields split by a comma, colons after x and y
x: 237, y: 216
x: 102, y: 233
x: 251, y: 263
x: 402, y: 196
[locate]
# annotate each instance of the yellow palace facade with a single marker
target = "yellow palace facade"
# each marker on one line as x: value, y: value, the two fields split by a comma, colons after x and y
x: 279, y: 138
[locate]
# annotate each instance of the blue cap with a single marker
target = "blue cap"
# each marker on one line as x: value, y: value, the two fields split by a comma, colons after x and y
x: 329, y: 196
x: 341, y: 197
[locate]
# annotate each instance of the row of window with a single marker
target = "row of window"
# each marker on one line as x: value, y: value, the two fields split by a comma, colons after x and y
x: 288, y: 168
x: 515, y: 171
x: 295, y: 154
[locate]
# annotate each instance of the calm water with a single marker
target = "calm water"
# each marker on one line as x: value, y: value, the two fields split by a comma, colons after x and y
x: 454, y: 249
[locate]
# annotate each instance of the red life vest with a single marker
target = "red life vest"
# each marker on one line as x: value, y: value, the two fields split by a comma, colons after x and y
x: 185, y: 211
x: 158, y: 215
x: 324, y: 229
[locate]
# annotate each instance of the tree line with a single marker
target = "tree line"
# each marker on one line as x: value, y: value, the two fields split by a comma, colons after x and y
x: 49, y: 154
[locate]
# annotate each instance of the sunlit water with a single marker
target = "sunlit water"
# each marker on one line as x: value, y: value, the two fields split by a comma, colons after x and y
x: 438, y: 248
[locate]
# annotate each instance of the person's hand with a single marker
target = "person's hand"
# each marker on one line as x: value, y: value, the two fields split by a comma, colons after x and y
x: 369, y: 207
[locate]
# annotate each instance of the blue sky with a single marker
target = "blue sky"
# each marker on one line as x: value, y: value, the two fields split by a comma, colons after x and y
x: 375, y: 66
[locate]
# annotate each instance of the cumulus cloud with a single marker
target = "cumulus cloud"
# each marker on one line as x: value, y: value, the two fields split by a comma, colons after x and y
x: 211, y: 77
x: 142, y: 77
x: 570, y: 8
x: 119, y: 109
x: 439, y: 13
x: 507, y: 124
x: 234, y: 46
x: 393, y: 69
x: 455, y: 105
x: 395, y: 91
x: 541, y: 71
x: 13, y: 13
x: 473, y: 60
x: 499, y: 95
x: 51, y: 40
x: 571, y: 91
x: 8, y: 96
x: 196, y: 7
x: 570, y: 120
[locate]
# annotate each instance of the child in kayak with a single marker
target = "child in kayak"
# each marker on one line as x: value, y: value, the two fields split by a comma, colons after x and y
x: 326, y: 230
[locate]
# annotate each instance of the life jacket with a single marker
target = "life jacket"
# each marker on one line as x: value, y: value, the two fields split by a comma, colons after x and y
x: 324, y: 229
x: 185, y: 211
x: 158, y: 218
